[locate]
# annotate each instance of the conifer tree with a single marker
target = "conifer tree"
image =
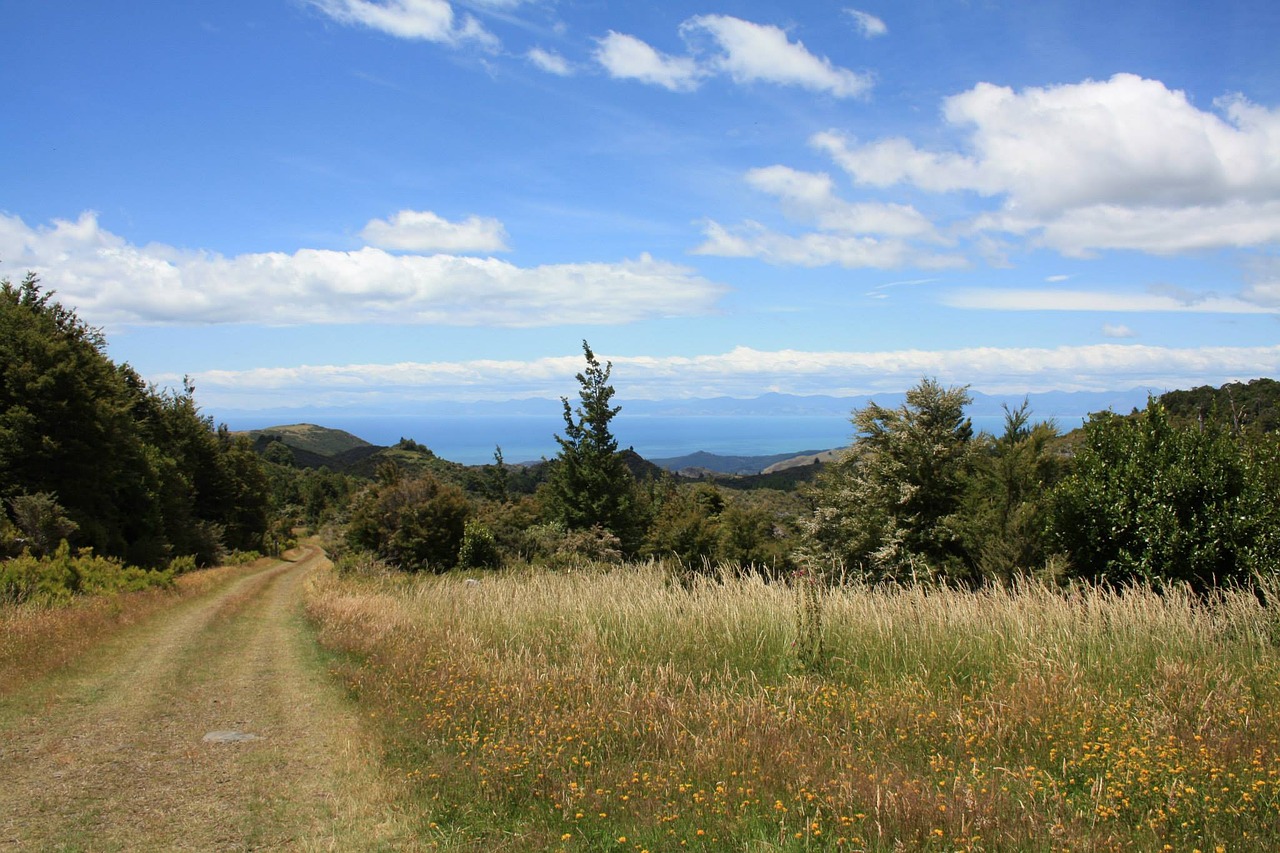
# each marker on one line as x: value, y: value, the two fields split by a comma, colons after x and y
x: 591, y: 485
x: 886, y: 510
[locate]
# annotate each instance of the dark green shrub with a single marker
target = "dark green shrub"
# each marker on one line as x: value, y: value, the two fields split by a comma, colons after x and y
x: 415, y: 523
x: 1151, y: 501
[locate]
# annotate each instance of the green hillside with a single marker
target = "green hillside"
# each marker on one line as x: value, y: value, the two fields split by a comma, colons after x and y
x: 319, y: 440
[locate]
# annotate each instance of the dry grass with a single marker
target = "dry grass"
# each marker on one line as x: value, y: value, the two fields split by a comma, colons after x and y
x: 36, y: 639
x: 537, y: 711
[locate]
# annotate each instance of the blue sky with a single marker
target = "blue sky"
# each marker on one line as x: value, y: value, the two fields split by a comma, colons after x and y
x: 392, y: 204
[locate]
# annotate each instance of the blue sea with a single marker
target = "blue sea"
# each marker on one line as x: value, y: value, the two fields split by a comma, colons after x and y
x: 471, y: 439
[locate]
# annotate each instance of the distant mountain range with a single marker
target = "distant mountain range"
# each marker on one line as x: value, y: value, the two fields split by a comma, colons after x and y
x: 1049, y: 404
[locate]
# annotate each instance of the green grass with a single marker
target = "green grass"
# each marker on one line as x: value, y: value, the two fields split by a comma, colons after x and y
x: 568, y: 711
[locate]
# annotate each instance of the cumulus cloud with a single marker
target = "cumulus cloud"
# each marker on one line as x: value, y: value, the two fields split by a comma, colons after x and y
x: 629, y: 58
x: 746, y: 51
x: 810, y: 196
x: 853, y: 235
x: 868, y: 24
x: 424, y: 231
x: 1082, y: 232
x: 1124, y: 163
x: 110, y: 281
x: 549, y: 61
x: 750, y: 52
x: 744, y: 371
x: 423, y: 20
x: 1113, y: 330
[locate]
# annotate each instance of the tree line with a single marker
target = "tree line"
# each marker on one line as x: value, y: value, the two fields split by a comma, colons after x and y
x: 1171, y: 494
x: 1145, y: 497
x: 1184, y: 491
x: 92, y: 454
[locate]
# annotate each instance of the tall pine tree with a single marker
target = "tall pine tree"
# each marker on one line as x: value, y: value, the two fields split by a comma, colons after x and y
x: 591, y: 485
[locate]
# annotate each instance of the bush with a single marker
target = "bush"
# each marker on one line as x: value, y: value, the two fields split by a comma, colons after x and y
x: 26, y: 578
x: 565, y: 549
x: 701, y: 529
x: 479, y: 550
x: 183, y: 564
x: 686, y: 527
x: 361, y: 563
x: 42, y: 521
x: 1151, y: 501
x: 414, y: 523
x: 56, y: 579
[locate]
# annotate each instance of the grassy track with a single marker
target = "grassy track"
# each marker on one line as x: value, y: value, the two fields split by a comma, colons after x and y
x: 110, y: 754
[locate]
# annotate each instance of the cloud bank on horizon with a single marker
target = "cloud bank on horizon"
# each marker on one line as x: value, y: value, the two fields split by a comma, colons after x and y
x: 743, y: 372
x: 839, y: 201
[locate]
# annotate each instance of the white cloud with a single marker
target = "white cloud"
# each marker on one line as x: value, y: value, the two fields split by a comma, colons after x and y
x: 424, y: 20
x: 868, y: 24
x: 746, y: 51
x: 1081, y: 232
x: 752, y: 52
x: 1264, y: 293
x: 1112, y: 330
x: 549, y: 61
x: 1263, y: 277
x: 1162, y: 300
x: 852, y: 235
x: 753, y: 240
x: 810, y: 196
x: 628, y: 57
x: 110, y: 281
x: 744, y: 371
x: 896, y: 160
x: 1124, y: 163
x: 424, y: 231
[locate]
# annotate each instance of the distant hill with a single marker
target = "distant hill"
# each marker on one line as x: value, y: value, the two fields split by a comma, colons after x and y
x: 310, y: 438
x: 717, y: 464
x: 641, y: 468
x: 321, y: 447
x: 824, y: 457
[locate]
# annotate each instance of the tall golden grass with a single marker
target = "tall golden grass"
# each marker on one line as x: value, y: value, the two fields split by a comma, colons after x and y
x: 611, y: 709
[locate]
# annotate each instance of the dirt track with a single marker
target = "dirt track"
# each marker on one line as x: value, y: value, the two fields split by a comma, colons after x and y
x: 113, y: 754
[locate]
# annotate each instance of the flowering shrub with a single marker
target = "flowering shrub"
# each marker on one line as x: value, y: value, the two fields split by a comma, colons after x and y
x: 56, y: 579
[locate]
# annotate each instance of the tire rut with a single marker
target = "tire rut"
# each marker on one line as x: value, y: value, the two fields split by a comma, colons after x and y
x: 113, y: 756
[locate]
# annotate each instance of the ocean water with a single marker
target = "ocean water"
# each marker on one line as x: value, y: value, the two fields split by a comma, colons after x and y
x: 471, y: 440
